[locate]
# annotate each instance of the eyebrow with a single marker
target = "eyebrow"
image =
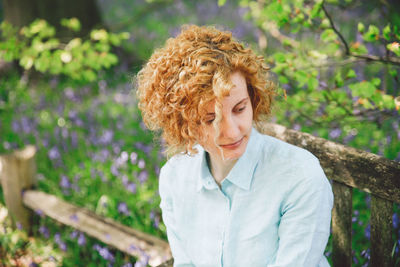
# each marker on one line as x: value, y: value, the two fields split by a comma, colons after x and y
x: 237, y: 104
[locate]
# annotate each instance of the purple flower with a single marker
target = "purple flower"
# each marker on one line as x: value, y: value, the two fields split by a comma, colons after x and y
x: 69, y: 93
x: 39, y: 212
x: 368, y: 231
x: 65, y: 183
x: 396, y: 220
x: 133, y: 157
x: 128, y: 264
x: 145, y: 148
x: 157, y: 170
x: 61, y: 244
x: 366, y: 253
x: 143, y: 175
x: 131, y: 187
x: 19, y: 225
x: 44, y: 231
x: 33, y: 264
x: 335, y: 133
x: 114, y: 170
x: 123, y: 208
x: 74, y: 139
x: 141, y: 164
x: 81, y: 239
x: 124, y: 156
x: 105, y: 253
x: 54, y: 153
x: 74, y: 234
x: 106, y: 137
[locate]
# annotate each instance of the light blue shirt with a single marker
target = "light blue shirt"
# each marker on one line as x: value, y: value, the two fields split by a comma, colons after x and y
x: 273, y: 209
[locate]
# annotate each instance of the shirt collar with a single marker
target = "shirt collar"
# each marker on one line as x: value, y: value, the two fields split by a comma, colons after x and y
x: 241, y: 174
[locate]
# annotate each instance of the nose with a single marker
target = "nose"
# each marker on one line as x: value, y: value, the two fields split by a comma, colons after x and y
x: 229, y: 128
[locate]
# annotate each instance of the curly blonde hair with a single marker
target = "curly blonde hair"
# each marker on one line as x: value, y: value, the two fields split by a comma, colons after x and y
x: 189, y: 72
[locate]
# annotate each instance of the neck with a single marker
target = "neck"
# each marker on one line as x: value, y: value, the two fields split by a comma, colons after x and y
x: 220, y: 168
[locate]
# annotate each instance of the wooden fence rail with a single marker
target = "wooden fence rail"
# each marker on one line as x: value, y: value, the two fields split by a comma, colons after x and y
x: 347, y: 167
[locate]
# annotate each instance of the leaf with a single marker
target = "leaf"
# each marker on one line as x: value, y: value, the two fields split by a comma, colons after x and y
x: 73, y: 24
x: 328, y: 35
x: 362, y: 89
x: 283, y: 79
x: 338, y: 79
x: 360, y: 27
x: 312, y: 83
x: 99, y: 35
x: 279, y: 57
x: 376, y: 81
x: 316, y: 9
x: 26, y: 62
x: 358, y: 48
x: 221, y: 2
x: 394, y: 47
x: 301, y: 78
x: 372, y: 34
x: 386, y: 32
x: 351, y: 74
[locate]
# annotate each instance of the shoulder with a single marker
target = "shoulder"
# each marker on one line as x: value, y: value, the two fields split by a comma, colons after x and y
x: 179, y: 170
x: 294, y: 165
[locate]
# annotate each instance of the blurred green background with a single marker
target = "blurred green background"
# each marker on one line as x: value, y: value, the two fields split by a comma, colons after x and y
x: 67, y: 75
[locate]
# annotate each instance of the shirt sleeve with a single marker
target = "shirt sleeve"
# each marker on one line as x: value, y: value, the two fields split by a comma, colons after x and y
x: 304, y: 227
x: 175, y: 241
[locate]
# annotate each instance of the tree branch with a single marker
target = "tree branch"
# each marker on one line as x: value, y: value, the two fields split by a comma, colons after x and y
x: 390, y: 60
x: 386, y: 59
x: 346, y: 46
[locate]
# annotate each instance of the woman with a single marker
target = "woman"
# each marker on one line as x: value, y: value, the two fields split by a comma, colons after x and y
x: 230, y: 196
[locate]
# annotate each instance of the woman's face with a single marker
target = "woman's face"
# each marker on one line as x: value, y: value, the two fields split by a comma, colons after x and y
x: 235, y: 125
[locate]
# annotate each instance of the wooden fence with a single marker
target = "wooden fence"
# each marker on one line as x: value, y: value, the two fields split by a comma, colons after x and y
x: 347, y: 168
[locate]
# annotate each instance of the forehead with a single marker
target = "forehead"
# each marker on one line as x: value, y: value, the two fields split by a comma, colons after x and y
x: 237, y: 92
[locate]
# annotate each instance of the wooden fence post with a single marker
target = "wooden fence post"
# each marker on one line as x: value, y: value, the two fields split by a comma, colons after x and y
x: 341, y: 225
x: 17, y: 171
x: 381, y: 232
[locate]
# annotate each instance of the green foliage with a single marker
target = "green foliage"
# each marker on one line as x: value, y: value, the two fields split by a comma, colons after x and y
x: 37, y: 47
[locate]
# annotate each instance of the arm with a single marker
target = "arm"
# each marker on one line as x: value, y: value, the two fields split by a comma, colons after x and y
x: 178, y: 252
x: 305, y: 221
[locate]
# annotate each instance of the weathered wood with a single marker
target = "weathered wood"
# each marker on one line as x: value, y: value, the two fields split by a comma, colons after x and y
x: 381, y: 232
x: 356, y: 168
x: 341, y: 225
x: 124, y: 238
x: 17, y: 173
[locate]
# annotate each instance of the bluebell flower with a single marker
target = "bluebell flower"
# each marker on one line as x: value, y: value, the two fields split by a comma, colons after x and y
x: 143, y: 175
x: 74, y: 234
x: 131, y: 187
x: 141, y: 164
x: 396, y: 220
x: 65, y: 183
x: 54, y: 153
x: 44, y: 231
x: 133, y: 157
x: 106, y: 254
x: 81, y: 239
x: 368, y: 232
x: 123, y: 208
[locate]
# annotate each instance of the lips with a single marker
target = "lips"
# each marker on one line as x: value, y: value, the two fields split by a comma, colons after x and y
x: 233, y: 145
